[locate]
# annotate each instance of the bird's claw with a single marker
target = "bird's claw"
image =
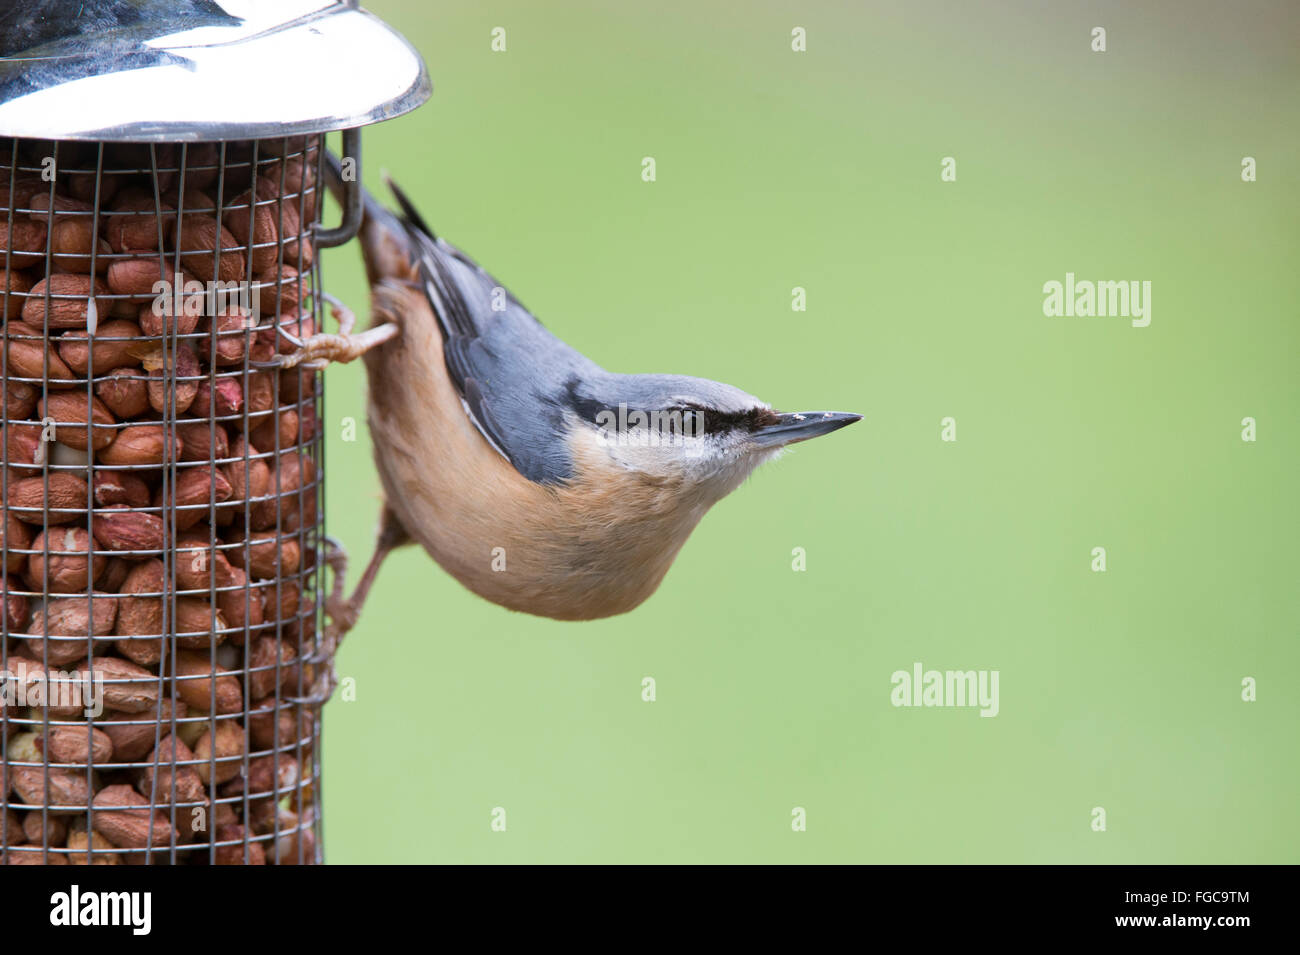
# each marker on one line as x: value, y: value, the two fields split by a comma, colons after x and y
x: 342, y: 617
x: 317, y: 351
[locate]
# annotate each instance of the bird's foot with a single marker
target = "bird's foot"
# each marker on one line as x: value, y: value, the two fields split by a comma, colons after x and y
x: 342, y: 613
x: 317, y: 351
x: 322, y: 686
x: 340, y: 618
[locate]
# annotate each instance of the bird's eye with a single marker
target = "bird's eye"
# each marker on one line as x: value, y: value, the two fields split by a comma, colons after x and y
x: 693, y: 422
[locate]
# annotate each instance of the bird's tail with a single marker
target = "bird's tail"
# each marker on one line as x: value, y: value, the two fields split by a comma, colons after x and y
x: 411, y: 214
x: 385, y: 245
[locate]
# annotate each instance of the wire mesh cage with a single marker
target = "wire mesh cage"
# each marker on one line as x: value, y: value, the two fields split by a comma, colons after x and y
x: 163, y: 556
x: 162, y: 521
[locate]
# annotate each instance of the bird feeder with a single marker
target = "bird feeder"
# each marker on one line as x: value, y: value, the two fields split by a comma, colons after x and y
x: 163, y: 557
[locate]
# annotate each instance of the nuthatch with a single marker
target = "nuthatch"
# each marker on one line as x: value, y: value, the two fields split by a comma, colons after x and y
x: 529, y: 473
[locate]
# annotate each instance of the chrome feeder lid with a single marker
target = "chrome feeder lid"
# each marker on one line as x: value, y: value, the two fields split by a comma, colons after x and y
x: 179, y: 71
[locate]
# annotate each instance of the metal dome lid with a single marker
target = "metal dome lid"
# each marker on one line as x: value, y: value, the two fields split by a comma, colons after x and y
x: 197, y: 70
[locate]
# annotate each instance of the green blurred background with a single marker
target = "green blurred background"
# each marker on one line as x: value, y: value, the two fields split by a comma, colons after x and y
x: 821, y: 169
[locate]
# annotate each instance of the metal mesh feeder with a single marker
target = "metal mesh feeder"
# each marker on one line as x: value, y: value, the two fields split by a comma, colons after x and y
x: 163, y: 556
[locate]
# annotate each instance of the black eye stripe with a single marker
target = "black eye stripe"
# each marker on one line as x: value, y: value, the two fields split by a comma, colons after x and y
x: 713, y: 421
x: 716, y: 421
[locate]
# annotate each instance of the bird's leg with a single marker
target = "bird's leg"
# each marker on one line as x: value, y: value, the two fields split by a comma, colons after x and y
x: 391, y: 536
x: 343, y: 613
x: 322, y: 654
x: 317, y: 351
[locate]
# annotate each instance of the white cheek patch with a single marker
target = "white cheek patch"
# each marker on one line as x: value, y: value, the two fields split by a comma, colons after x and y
x: 695, y: 448
x: 661, y: 456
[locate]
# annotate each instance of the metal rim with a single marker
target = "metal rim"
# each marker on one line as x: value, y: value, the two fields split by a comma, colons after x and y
x: 333, y: 67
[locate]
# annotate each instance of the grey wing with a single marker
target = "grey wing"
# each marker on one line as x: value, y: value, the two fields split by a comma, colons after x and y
x: 514, y: 377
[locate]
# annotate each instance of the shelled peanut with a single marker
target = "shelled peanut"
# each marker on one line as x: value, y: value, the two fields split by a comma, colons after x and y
x: 160, y: 497
x: 157, y: 771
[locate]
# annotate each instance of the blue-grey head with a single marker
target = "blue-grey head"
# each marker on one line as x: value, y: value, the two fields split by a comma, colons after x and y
x: 695, y: 431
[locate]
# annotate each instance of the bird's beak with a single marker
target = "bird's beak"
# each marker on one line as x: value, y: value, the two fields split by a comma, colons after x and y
x: 800, y: 426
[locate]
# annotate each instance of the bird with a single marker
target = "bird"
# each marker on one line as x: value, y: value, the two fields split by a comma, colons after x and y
x: 533, y: 476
